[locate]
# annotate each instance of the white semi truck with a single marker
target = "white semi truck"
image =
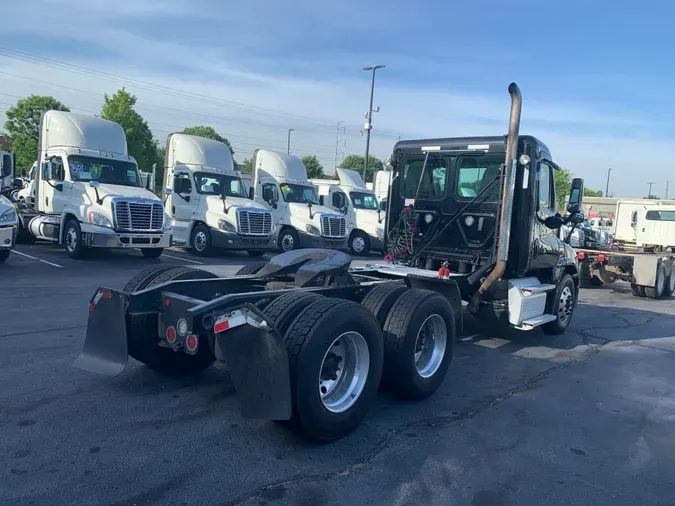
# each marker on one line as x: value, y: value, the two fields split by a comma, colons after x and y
x: 209, y: 203
x: 88, y: 190
x: 350, y: 196
x: 280, y: 182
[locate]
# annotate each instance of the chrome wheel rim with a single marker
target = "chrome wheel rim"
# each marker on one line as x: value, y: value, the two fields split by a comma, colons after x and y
x: 430, y: 345
x: 200, y: 241
x: 660, y: 279
x: 344, y: 372
x: 671, y: 280
x: 287, y: 242
x: 565, y: 305
x: 358, y: 244
x: 71, y: 239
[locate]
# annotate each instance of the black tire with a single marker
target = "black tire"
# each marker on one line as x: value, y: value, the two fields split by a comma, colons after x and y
x: 553, y: 306
x: 249, y: 269
x: 288, y: 240
x: 656, y: 291
x: 152, y: 252
x: 142, y: 334
x: 200, y: 240
x: 354, y: 249
x: 401, y: 329
x: 24, y: 236
x: 596, y: 282
x: 283, y: 310
x: 670, y: 282
x: 4, y: 255
x: 638, y: 291
x: 308, y: 340
x: 141, y: 280
x: 380, y: 299
x: 72, y: 239
x: 256, y: 253
x: 585, y: 277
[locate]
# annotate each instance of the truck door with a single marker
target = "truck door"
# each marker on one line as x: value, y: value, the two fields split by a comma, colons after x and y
x: 51, y: 186
x: 546, y: 244
x: 183, y: 204
x: 270, y: 195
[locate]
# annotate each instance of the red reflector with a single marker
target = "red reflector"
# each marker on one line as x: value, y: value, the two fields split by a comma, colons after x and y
x: 92, y: 307
x: 221, y: 326
x: 191, y: 342
x: 106, y: 294
x: 601, y: 258
x: 171, y: 335
x: 167, y: 302
x: 581, y: 255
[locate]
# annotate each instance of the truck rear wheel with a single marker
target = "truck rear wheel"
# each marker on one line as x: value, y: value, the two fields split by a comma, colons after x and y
x: 380, y: 299
x: 670, y: 282
x: 143, y: 339
x: 562, y: 306
x: 283, y: 310
x: 419, y: 341
x: 659, y: 288
x: 335, y: 353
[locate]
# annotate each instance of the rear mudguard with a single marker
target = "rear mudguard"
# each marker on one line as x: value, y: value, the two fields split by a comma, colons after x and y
x: 255, y: 352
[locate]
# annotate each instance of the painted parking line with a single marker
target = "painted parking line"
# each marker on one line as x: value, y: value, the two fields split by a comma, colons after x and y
x: 183, y: 259
x: 38, y: 259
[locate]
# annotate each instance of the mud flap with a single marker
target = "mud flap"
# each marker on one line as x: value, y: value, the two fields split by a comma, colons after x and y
x: 105, y: 345
x: 258, y: 362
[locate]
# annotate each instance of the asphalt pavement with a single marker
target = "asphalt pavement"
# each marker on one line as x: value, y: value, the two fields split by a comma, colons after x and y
x: 522, y: 418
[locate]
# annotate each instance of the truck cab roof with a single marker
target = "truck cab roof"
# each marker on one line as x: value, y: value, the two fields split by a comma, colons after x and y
x: 490, y: 144
x: 198, y: 153
x: 70, y: 130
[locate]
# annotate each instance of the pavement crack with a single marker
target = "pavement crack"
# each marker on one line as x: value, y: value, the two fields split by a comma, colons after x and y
x: 38, y: 331
x: 386, y: 440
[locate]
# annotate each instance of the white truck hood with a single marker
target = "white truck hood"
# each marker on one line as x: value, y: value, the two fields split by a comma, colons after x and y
x: 215, y: 203
x: 115, y: 190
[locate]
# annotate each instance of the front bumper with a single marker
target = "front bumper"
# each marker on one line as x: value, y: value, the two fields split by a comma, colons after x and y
x: 316, y: 241
x: 100, y: 237
x: 8, y: 236
x: 234, y: 241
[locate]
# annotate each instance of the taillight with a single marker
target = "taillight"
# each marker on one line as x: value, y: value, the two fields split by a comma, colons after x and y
x: 171, y: 335
x: 191, y: 343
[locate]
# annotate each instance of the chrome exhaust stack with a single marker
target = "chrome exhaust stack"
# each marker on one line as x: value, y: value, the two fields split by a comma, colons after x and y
x: 508, y: 191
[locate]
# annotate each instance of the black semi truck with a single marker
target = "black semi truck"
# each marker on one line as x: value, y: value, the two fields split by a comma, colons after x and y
x: 309, y: 339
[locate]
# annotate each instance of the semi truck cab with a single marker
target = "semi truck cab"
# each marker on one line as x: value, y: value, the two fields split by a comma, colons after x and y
x: 209, y: 203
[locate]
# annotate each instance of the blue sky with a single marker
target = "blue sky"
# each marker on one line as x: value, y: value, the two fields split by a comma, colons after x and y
x: 597, y: 77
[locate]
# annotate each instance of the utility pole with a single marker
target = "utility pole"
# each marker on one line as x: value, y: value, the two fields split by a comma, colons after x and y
x: 650, y: 189
x: 338, y: 141
x: 289, y: 139
x: 609, y: 171
x: 369, y: 116
x: 666, y: 190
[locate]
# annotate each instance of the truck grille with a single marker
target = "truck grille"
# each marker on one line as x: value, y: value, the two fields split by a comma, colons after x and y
x: 333, y: 226
x: 137, y: 217
x: 254, y: 222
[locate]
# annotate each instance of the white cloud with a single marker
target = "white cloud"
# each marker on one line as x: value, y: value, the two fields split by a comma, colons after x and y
x: 582, y: 139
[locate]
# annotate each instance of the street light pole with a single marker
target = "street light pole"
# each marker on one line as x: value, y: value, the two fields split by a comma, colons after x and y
x: 609, y: 171
x: 666, y: 190
x: 369, y: 116
x: 289, y: 139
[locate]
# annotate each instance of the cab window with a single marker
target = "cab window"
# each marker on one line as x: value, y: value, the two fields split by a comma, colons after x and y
x: 546, y: 193
x: 430, y: 184
x: 476, y: 174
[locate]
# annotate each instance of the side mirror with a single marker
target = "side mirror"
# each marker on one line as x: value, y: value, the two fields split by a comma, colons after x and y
x: 273, y: 203
x: 94, y: 184
x: 148, y: 183
x: 168, y: 191
x: 575, y: 203
x: 47, y: 171
x: 321, y: 200
x: 250, y: 193
x: 553, y: 222
x: 18, y: 182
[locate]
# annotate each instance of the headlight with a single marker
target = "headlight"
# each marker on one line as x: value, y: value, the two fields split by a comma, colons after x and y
x: 311, y: 229
x: 99, y: 220
x: 8, y: 216
x: 226, y: 226
x: 379, y: 232
x: 167, y: 221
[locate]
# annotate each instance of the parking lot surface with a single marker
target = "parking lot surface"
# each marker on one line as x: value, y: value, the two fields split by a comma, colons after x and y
x: 522, y: 418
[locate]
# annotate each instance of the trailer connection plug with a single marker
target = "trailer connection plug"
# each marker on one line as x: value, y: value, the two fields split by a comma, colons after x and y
x: 444, y: 271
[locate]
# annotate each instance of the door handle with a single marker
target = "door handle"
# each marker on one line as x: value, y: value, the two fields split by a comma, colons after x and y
x: 173, y: 209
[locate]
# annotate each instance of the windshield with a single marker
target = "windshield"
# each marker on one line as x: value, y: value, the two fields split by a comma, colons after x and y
x: 362, y: 200
x: 217, y: 184
x: 433, y: 184
x: 299, y: 193
x: 106, y: 171
x: 475, y: 173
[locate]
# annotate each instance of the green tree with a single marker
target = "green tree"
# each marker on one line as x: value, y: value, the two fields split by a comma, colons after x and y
x: 652, y: 197
x: 355, y: 162
x: 562, y: 180
x: 140, y: 143
x: 312, y: 166
x: 592, y: 193
x: 208, y: 133
x: 23, y: 125
x: 246, y: 166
